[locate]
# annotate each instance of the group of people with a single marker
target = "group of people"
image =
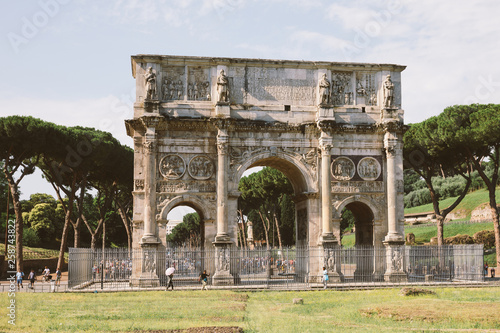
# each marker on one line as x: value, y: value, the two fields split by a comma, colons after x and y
x: 203, y: 278
x: 46, y: 277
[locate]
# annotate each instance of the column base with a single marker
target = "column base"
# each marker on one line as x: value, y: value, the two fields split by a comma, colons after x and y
x: 395, y: 277
x: 325, y: 112
x: 149, y: 240
x: 393, y: 239
x: 146, y: 280
x: 222, y: 278
x: 222, y: 239
x: 151, y: 106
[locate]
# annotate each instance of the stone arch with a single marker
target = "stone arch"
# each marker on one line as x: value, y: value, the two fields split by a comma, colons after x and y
x: 298, y: 173
x: 352, y: 199
x: 199, y: 205
x: 366, y: 215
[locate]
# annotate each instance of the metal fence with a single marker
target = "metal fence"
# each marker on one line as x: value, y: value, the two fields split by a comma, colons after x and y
x: 288, y: 268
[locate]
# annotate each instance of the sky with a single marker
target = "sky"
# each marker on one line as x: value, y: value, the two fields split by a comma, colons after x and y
x: 68, y: 61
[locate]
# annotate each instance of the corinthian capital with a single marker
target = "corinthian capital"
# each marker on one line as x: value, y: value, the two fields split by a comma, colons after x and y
x: 149, y: 146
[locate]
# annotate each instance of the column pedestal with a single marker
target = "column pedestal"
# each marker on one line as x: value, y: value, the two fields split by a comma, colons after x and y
x: 395, y: 262
x: 222, y: 110
x: 149, y: 276
x: 222, y: 275
x: 331, y: 260
x: 152, y: 106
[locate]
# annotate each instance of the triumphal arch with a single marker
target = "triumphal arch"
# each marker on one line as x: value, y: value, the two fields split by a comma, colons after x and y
x: 334, y: 129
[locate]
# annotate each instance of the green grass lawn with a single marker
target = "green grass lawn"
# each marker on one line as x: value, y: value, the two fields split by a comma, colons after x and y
x: 471, y: 201
x: 322, y: 311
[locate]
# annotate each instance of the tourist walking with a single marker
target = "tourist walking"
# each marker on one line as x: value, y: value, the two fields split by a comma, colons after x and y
x: 170, y: 277
x: 32, y: 278
x: 58, y: 277
x: 19, y: 278
x: 325, y: 277
x: 204, y: 280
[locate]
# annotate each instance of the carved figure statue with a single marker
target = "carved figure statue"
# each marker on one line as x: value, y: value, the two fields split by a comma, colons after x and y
x: 180, y: 89
x: 222, y: 87
x: 164, y: 88
x: 324, y: 90
x: 195, y: 91
x: 150, y: 78
x: 388, y: 92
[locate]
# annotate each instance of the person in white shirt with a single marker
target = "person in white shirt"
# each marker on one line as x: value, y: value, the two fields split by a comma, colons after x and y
x: 19, y: 278
x: 46, y: 273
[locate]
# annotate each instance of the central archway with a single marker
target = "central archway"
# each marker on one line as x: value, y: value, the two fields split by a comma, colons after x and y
x: 303, y: 184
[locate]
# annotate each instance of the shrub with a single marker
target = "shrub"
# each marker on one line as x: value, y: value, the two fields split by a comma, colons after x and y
x: 458, y: 240
x: 486, y: 237
x: 30, y: 238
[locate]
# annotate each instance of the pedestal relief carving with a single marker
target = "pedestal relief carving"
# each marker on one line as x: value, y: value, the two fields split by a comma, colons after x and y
x: 172, y: 167
x: 369, y: 168
x: 343, y: 168
x: 201, y: 167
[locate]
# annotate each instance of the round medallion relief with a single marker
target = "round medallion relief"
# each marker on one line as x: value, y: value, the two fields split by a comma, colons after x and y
x: 369, y: 168
x: 172, y: 167
x: 201, y: 167
x: 343, y: 168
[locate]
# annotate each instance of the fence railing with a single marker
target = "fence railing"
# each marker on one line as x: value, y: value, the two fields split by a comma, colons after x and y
x: 286, y: 268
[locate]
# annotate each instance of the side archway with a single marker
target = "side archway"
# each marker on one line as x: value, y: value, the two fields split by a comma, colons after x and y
x: 366, y: 215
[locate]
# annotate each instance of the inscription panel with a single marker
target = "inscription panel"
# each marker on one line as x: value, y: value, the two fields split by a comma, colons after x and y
x: 281, y: 86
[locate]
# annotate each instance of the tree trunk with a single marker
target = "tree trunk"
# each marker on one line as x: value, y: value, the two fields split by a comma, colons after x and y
x: 126, y: 223
x: 494, y: 216
x: 64, y: 237
x: 76, y: 228
x: 265, y: 230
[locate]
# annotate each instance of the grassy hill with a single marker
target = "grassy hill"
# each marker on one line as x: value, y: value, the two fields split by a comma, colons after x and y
x: 468, y: 204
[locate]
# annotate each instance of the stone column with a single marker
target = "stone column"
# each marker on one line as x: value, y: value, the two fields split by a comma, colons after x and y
x: 331, y: 255
x: 149, y: 242
x: 222, y: 243
x: 393, y: 158
x: 149, y: 235
x: 326, y: 204
x: 394, y: 240
x: 222, y: 151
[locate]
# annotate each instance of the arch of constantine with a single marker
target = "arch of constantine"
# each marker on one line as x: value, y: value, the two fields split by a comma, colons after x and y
x: 334, y: 129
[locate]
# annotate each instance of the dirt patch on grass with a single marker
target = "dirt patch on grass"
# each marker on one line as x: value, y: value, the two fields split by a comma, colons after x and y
x: 211, y: 329
x: 484, y: 313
